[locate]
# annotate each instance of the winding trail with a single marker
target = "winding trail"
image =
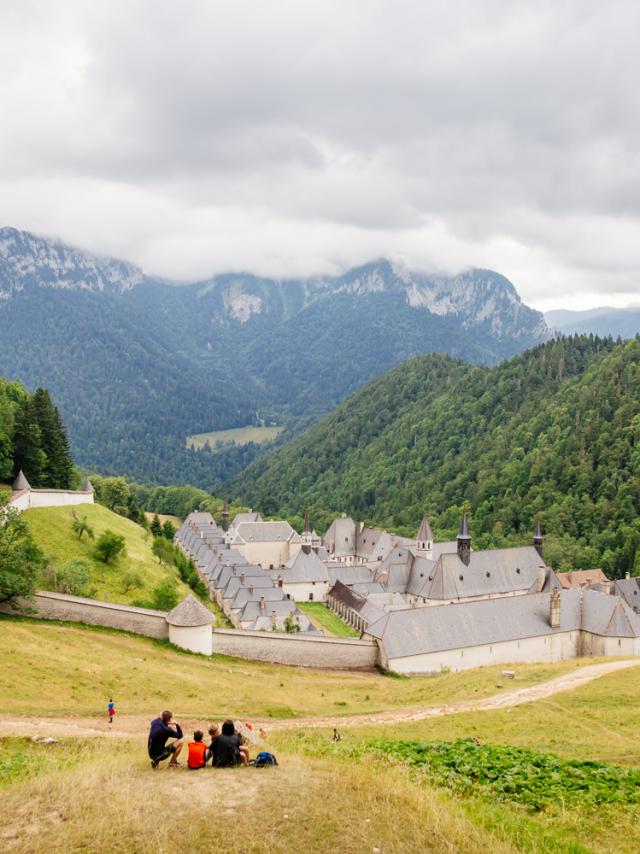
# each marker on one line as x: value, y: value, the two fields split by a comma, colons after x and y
x: 136, y: 726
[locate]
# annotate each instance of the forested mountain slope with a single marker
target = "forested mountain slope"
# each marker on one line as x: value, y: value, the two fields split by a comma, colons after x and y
x: 138, y: 363
x: 554, y: 431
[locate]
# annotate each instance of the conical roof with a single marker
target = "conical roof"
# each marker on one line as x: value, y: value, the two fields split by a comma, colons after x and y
x: 463, y: 533
x: 425, y: 534
x: 20, y: 482
x: 86, y: 486
x: 190, y: 612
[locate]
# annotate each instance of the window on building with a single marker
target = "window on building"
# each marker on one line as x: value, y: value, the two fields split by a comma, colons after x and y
x: 310, y: 597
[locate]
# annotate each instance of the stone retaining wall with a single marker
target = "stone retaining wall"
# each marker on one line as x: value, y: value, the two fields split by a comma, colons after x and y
x: 297, y: 649
x: 58, y: 606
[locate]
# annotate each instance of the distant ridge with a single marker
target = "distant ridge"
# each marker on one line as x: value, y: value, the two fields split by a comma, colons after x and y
x: 138, y: 364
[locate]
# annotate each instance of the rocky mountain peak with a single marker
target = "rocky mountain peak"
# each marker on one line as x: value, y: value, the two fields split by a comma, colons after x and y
x: 27, y: 260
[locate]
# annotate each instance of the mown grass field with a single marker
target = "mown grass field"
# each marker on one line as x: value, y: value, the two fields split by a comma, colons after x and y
x: 239, y: 435
x: 51, y: 529
x: 325, y: 619
x: 165, y: 517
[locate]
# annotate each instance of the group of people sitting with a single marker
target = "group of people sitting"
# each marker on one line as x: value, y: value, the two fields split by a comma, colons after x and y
x: 226, y: 748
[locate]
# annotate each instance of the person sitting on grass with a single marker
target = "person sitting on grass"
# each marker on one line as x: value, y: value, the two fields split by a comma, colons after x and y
x: 198, y: 753
x: 159, y: 733
x: 228, y: 748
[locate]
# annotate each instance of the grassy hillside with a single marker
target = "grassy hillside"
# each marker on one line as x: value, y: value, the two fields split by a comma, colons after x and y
x: 98, y: 793
x: 51, y: 529
x: 85, y: 665
x: 554, y: 431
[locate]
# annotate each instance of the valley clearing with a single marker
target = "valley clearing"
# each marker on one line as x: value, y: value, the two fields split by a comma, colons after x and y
x: 93, y: 790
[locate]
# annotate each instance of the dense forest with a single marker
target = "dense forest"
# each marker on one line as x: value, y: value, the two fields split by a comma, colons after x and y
x: 554, y: 431
x: 138, y: 368
x: 33, y: 439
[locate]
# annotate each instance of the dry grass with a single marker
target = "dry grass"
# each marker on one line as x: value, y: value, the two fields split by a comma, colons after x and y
x: 82, y: 667
x: 236, y: 435
x: 119, y: 804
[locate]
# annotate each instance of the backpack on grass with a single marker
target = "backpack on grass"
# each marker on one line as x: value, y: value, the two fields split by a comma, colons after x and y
x: 264, y: 759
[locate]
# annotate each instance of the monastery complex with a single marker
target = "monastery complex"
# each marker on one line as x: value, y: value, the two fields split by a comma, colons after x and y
x: 428, y: 605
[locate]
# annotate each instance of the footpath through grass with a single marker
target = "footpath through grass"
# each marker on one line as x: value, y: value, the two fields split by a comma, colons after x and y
x: 325, y: 619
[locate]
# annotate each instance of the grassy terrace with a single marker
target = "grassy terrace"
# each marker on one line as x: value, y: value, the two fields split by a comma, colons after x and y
x: 51, y: 529
x: 325, y: 619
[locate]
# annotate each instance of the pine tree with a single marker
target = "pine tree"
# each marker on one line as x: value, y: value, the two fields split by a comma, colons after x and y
x: 58, y: 468
x: 156, y: 526
x: 27, y: 445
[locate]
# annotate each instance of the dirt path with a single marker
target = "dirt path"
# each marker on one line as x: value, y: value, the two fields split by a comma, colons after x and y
x: 136, y: 726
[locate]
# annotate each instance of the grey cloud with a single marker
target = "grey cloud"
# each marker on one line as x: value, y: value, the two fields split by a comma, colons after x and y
x: 288, y: 137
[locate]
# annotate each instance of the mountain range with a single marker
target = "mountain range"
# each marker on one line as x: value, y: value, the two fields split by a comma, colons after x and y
x: 137, y: 363
x: 605, y: 320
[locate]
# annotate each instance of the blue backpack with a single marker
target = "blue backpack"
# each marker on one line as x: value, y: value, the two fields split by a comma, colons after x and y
x: 264, y: 759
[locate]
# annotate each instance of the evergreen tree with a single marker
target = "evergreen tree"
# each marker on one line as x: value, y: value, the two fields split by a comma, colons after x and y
x: 156, y: 526
x: 28, y: 455
x: 57, y: 472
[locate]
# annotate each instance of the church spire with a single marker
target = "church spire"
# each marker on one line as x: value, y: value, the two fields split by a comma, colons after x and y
x: 464, y: 541
x: 306, y: 534
x: 537, y: 536
x: 424, y: 537
x: 225, y: 516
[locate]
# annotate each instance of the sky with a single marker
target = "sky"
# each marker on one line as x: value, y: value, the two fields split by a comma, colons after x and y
x: 301, y: 138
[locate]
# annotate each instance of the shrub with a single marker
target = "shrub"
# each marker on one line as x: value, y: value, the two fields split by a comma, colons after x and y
x: 130, y: 580
x: 165, y: 596
x: 71, y: 577
x: 109, y: 546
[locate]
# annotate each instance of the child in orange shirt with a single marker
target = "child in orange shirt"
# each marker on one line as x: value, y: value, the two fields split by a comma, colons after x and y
x: 197, y: 751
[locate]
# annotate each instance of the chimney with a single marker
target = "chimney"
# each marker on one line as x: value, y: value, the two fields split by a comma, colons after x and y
x: 627, y: 576
x: 554, y: 609
x: 262, y: 605
x: 540, y: 578
x: 273, y: 619
x: 251, y: 589
x: 242, y: 578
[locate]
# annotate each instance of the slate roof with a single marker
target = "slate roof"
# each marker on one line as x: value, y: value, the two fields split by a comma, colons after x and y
x: 349, y: 574
x: 414, y: 631
x: 190, y: 612
x: 197, y: 518
x: 425, y: 534
x: 302, y: 568
x: 245, y: 517
x: 629, y: 590
x: 20, y: 482
x: 263, y: 532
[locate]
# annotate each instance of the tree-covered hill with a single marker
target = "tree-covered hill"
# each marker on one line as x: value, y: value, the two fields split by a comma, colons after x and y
x: 137, y: 363
x: 554, y: 431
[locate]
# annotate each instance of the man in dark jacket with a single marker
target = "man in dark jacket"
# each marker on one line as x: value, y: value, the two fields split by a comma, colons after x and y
x: 159, y: 733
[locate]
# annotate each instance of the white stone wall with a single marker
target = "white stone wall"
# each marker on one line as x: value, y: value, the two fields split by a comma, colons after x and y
x: 272, y: 554
x: 54, y: 498
x: 299, y: 591
x: 297, y: 649
x: 553, y: 647
x: 194, y: 638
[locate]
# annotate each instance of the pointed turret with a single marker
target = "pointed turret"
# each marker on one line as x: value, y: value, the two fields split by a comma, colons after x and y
x: 20, y: 482
x: 464, y: 541
x: 306, y: 534
x: 86, y: 486
x: 225, y: 516
x: 424, y: 537
x: 537, y: 536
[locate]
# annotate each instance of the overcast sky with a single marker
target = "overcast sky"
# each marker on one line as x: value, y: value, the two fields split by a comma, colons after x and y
x: 303, y: 137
